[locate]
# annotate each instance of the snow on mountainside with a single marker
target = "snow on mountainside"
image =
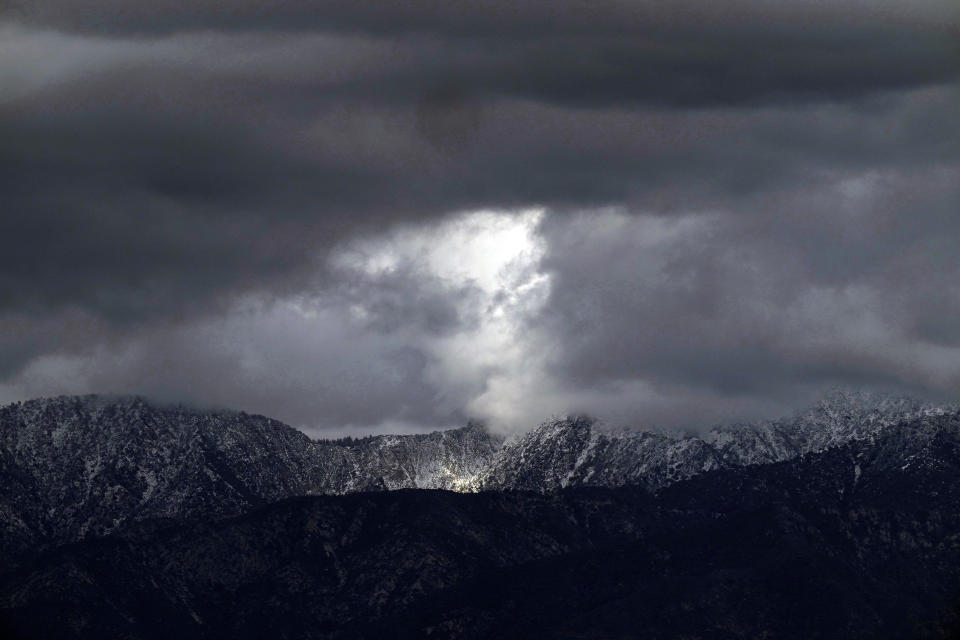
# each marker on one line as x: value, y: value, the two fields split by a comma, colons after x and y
x: 859, y: 541
x: 71, y: 467
x: 439, y: 460
x: 841, y: 416
x: 575, y: 451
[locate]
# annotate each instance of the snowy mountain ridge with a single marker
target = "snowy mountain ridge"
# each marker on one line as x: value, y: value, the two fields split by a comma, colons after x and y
x: 578, y: 452
x: 859, y: 541
x: 72, y: 467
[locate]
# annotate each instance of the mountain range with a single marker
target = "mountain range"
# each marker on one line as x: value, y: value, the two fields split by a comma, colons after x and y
x: 126, y: 518
x: 74, y: 467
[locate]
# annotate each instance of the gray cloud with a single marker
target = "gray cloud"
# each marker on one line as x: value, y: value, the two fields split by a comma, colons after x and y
x: 842, y: 283
x: 163, y: 164
x: 492, y: 17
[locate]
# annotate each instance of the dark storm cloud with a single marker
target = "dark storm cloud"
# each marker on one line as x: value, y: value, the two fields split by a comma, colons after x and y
x: 123, y: 181
x: 522, y: 18
x: 160, y: 161
x: 677, y: 53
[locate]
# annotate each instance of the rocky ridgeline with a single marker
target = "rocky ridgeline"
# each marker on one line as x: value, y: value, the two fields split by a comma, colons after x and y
x: 72, y: 467
x: 859, y: 541
x: 578, y: 452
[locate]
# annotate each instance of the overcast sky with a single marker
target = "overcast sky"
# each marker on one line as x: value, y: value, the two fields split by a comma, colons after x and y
x: 385, y: 216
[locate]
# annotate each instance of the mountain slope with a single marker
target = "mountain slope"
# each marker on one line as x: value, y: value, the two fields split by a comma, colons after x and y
x: 578, y: 452
x: 78, y: 466
x: 73, y: 467
x: 574, y: 452
x: 856, y: 542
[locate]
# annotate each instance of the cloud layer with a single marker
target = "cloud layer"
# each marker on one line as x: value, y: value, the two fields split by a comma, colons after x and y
x: 733, y: 207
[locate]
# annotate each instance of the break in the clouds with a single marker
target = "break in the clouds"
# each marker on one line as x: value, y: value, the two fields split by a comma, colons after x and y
x: 395, y: 216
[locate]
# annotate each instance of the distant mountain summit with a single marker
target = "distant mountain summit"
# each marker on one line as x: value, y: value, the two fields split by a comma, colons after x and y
x: 840, y: 416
